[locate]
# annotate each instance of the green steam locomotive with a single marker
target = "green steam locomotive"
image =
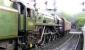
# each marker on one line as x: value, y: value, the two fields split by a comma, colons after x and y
x: 28, y: 27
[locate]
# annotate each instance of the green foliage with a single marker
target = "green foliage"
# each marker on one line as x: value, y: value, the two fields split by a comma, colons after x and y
x: 80, y: 21
x: 80, y: 18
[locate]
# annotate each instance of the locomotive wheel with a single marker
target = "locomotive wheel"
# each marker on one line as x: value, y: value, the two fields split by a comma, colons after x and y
x: 53, y: 37
x: 46, y: 38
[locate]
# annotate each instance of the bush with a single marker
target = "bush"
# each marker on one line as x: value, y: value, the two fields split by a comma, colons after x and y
x: 80, y: 21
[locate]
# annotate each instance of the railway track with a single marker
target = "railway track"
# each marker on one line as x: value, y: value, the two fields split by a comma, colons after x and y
x: 69, y: 42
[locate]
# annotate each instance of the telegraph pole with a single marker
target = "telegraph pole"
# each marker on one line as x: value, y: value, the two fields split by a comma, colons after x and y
x: 54, y: 10
x: 46, y: 4
x: 83, y: 3
x: 36, y: 13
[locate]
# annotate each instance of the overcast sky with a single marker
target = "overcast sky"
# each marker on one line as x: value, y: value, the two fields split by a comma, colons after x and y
x: 67, y: 6
x: 70, y: 6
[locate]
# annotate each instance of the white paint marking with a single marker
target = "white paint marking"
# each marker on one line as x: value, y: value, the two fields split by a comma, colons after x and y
x: 75, y: 32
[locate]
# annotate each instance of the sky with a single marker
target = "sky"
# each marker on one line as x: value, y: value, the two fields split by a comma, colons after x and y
x: 68, y: 6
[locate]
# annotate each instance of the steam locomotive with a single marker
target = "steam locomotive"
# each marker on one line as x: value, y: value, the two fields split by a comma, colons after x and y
x: 30, y: 28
